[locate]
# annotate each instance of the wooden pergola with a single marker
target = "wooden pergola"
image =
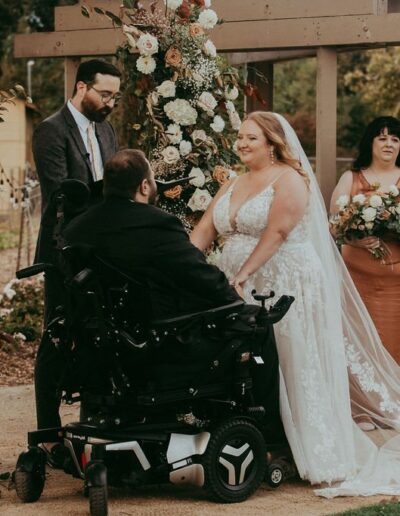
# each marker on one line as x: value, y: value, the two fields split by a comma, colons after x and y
x: 253, y: 31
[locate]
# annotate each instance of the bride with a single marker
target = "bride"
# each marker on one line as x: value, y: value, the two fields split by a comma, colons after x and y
x: 276, y: 235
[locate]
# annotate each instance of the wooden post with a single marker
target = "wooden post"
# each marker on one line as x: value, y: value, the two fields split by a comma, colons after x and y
x: 326, y: 120
x: 70, y: 68
x: 261, y: 75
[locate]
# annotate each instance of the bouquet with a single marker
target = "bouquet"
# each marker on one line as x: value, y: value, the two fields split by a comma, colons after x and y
x: 183, y: 98
x: 362, y: 216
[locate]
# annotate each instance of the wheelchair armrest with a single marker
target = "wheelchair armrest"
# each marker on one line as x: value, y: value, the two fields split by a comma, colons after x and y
x: 211, y: 314
x: 37, y: 268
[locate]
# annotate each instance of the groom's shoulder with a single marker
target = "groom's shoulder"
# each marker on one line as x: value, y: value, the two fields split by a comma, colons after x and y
x: 161, y: 216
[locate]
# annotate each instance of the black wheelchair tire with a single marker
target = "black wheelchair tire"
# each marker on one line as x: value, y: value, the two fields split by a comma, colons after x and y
x: 275, y: 475
x: 98, y: 500
x: 29, y: 485
x: 236, y: 434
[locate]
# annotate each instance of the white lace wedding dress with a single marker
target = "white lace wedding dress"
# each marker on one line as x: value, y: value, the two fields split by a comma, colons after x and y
x: 325, y: 339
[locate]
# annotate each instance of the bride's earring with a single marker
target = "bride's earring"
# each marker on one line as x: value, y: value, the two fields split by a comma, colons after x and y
x: 272, y: 155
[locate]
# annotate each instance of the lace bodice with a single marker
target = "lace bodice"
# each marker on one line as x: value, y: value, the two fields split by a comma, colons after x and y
x: 252, y: 217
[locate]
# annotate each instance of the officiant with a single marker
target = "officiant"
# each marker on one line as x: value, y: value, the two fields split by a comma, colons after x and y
x: 73, y: 143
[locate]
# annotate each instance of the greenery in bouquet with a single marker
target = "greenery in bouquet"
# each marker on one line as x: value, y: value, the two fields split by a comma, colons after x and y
x: 373, y: 215
x: 183, y: 98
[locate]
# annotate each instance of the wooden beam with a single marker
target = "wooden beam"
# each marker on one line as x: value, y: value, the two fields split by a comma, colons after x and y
x: 70, y: 68
x: 326, y: 121
x: 230, y: 37
x: 273, y: 56
x: 264, y: 83
x: 70, y: 17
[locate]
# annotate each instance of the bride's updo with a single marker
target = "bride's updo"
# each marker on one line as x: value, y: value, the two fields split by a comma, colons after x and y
x: 275, y: 136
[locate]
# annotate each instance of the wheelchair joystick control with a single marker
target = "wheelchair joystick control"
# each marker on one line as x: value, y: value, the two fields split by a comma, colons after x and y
x: 262, y: 316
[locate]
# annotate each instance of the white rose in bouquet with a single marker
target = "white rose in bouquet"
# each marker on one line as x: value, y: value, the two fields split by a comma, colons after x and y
x: 342, y: 201
x: 198, y: 177
x: 359, y: 198
x: 147, y: 44
x: 207, y: 102
x: 185, y: 148
x: 181, y: 112
x: 174, y: 133
x: 200, y: 200
x: 210, y: 49
x: 393, y: 190
x: 208, y: 19
x: 230, y: 106
x: 171, y: 155
x: 198, y: 136
x: 173, y: 4
x: 369, y: 225
x: 369, y: 214
x: 207, y: 3
x: 231, y: 93
x: 167, y: 89
x: 218, y: 124
x: 146, y: 64
x: 375, y: 201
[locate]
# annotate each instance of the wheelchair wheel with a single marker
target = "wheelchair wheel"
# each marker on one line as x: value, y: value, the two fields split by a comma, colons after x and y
x: 98, y: 501
x: 275, y: 475
x: 29, y: 485
x: 234, y: 462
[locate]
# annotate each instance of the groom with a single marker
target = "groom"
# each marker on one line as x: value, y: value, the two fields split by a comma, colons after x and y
x: 132, y: 234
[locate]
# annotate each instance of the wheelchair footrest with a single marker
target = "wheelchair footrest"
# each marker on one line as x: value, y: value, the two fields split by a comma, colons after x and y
x: 47, y: 435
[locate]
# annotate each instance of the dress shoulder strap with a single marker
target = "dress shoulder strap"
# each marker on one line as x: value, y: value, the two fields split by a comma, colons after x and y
x: 360, y: 184
x: 278, y: 177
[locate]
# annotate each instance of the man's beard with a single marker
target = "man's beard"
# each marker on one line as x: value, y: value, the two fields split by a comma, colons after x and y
x: 93, y: 113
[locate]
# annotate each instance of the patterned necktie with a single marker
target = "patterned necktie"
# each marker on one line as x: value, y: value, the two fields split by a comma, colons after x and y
x: 94, y: 153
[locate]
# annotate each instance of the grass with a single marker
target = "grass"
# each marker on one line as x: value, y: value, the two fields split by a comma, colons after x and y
x: 380, y: 509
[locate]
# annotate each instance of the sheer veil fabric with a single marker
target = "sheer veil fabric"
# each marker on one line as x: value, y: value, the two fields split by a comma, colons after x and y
x: 355, y: 363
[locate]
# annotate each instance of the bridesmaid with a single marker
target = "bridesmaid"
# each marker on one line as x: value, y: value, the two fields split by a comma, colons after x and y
x: 377, y: 167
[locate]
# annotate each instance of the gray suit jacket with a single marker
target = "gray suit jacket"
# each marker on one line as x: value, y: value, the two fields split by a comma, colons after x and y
x: 60, y: 153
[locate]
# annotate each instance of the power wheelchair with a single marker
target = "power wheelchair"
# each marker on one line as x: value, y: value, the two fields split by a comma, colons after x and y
x: 175, y: 400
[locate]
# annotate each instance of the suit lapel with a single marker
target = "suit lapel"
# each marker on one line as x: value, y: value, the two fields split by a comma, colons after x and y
x: 76, y: 136
x: 103, y: 138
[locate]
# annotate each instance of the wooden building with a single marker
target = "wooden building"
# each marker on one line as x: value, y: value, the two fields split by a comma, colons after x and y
x: 253, y: 31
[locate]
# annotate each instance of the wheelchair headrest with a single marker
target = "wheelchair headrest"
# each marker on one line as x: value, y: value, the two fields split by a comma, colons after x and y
x: 76, y: 194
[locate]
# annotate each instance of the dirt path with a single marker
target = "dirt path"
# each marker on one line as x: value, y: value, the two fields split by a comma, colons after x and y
x: 63, y: 494
x: 8, y: 263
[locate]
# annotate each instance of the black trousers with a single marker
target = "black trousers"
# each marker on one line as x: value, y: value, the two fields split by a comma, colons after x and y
x: 49, y: 366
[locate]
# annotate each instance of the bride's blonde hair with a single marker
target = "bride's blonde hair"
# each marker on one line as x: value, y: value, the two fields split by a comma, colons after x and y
x: 275, y: 136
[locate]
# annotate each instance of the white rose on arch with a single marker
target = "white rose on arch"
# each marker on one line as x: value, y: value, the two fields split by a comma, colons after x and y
x: 231, y: 92
x: 167, y: 89
x: 235, y: 120
x: 210, y: 49
x: 171, y: 155
x: 200, y: 200
x: 146, y: 64
x: 173, y: 4
x: 185, y: 148
x: 218, y: 124
x: 198, y: 136
x: 197, y: 177
x: 208, y: 19
x: 369, y: 214
x: 147, y: 44
x: 375, y: 201
x: 174, y: 133
x: 181, y: 112
x: 207, y: 102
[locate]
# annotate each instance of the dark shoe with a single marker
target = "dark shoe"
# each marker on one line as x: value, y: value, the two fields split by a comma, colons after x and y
x: 56, y: 455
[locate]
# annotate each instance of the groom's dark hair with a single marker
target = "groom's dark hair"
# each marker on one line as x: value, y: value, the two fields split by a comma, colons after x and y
x: 124, y: 172
x: 88, y: 69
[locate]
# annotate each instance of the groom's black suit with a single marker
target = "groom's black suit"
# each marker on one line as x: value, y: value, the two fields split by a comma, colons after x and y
x: 136, y: 236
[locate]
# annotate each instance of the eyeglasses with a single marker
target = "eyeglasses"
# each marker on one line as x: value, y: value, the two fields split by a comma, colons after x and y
x: 108, y: 97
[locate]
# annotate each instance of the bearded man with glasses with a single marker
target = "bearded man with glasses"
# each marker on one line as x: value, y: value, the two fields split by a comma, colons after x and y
x: 73, y: 143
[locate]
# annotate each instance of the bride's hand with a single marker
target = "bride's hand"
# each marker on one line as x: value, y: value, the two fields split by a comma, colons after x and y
x: 238, y: 282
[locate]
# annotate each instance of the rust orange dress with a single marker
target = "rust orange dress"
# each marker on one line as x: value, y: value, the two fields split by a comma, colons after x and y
x: 378, y: 283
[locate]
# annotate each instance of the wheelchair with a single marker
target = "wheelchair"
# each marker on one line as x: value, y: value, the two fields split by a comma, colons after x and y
x: 170, y: 400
